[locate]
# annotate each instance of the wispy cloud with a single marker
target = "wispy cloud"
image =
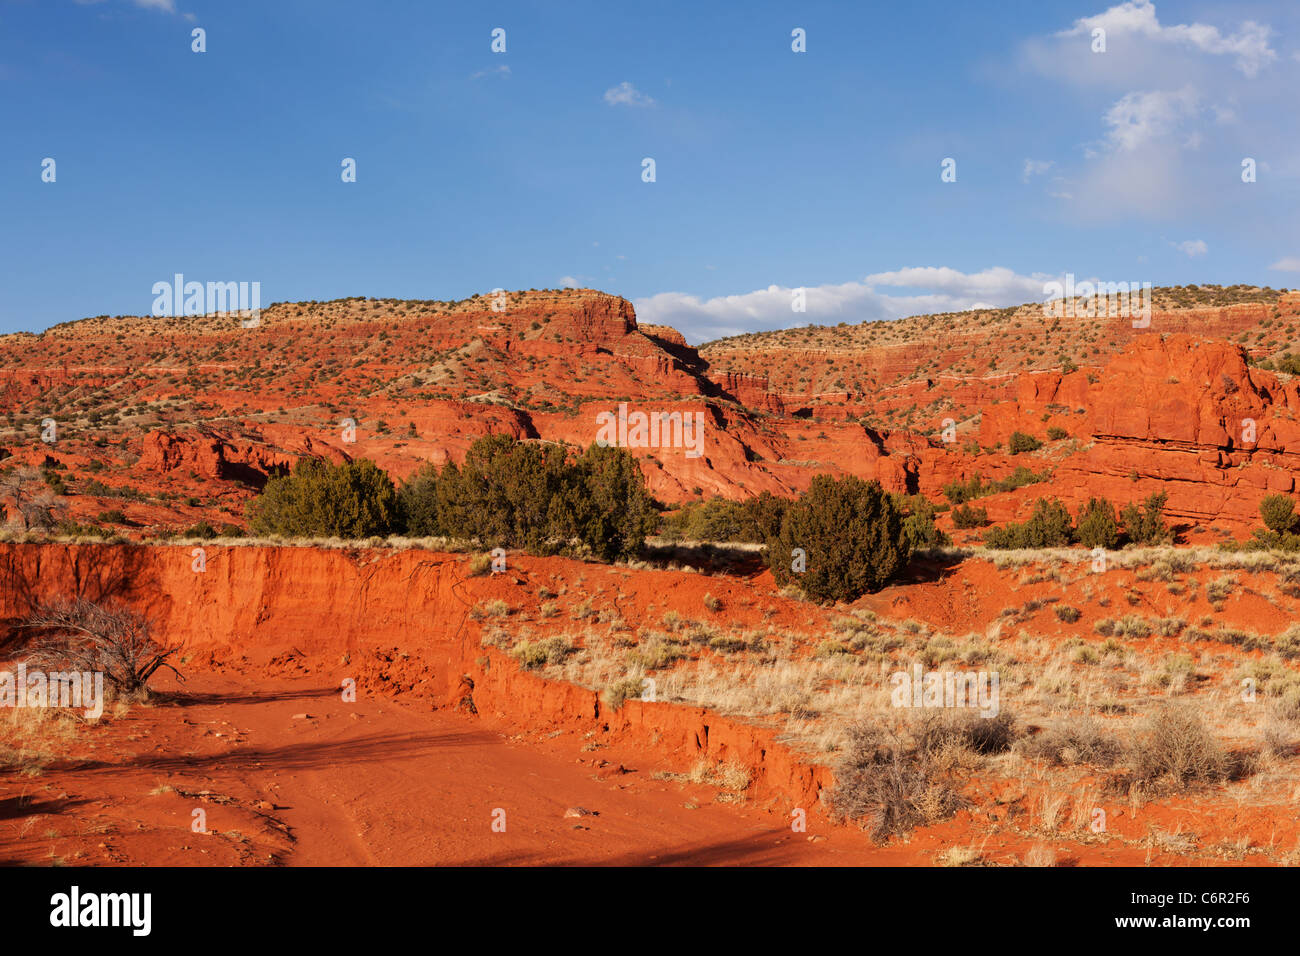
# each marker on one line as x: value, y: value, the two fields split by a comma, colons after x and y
x: 1035, y: 167
x: 1175, y: 92
x: 933, y: 289
x: 502, y: 70
x: 625, y: 94
x: 1287, y: 264
x: 1139, y: 118
x: 1191, y: 247
x: 166, y: 6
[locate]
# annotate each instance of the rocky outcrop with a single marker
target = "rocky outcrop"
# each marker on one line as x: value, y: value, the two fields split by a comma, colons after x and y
x: 1178, y: 414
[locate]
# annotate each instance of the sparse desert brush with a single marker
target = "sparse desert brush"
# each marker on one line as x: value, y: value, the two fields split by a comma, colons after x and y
x: 959, y: 856
x: 1128, y: 626
x: 1218, y: 590
x: 623, y: 690
x: 1170, y: 627
x: 549, y: 609
x: 1077, y: 740
x: 712, y: 603
x: 497, y: 608
x: 1111, y: 646
x: 728, y: 643
x: 732, y: 776
x: 582, y: 611
x: 1288, y: 642
x: 1040, y: 854
x: 891, y: 784
x: 533, y: 654
x: 830, y: 648
x: 1175, y: 750
x: 657, y: 652
x: 479, y: 565
x: 1067, y: 614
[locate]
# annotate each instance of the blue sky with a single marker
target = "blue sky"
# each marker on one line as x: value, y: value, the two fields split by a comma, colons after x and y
x: 774, y: 169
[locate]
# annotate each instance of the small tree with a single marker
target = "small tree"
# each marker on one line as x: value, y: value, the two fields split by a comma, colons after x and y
x: 919, y: 528
x: 1278, y: 512
x: 418, y: 498
x: 32, y: 503
x: 317, y: 499
x: 851, y: 535
x: 1146, y: 525
x: 80, y: 635
x: 969, y: 516
x: 1097, y: 527
x: 1048, y: 527
x: 608, y: 497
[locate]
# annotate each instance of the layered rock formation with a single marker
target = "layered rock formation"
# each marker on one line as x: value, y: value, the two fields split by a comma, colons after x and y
x: 165, y: 413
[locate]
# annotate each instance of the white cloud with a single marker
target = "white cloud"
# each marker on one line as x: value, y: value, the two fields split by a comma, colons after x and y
x: 1191, y: 247
x: 1138, y: 118
x: 1287, y: 264
x: 569, y: 282
x: 996, y: 283
x: 936, y: 289
x: 167, y: 6
x: 502, y: 70
x: 625, y: 94
x: 1035, y: 167
x: 1249, y: 45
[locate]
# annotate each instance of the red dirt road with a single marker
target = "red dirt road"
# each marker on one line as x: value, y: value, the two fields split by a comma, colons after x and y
x: 375, y: 782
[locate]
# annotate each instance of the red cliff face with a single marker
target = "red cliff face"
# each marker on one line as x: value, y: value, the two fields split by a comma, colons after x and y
x: 201, y: 408
x: 1178, y: 414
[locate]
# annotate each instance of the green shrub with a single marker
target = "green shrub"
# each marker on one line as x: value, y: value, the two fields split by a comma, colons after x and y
x: 318, y: 499
x: 1146, y: 525
x: 967, y: 516
x: 1097, y: 527
x: 1278, y: 512
x: 533, y: 654
x: 528, y: 495
x: 1056, y: 433
x: 918, y: 524
x: 755, y: 520
x: 612, y: 512
x: 1021, y: 442
x: 1048, y: 527
x: 959, y: 492
x: 852, y: 535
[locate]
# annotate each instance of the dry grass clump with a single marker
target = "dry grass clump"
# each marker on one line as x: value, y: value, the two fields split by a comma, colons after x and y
x: 533, y: 654
x: 896, y: 781
x: 31, y: 738
x: 657, y: 651
x: 1128, y: 626
x: 733, y: 776
x: 618, y: 692
x: 1075, y: 741
x: 1175, y: 750
x: 1040, y: 854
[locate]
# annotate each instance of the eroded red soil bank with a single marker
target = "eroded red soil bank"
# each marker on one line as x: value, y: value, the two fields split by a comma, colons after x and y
x: 398, y: 622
